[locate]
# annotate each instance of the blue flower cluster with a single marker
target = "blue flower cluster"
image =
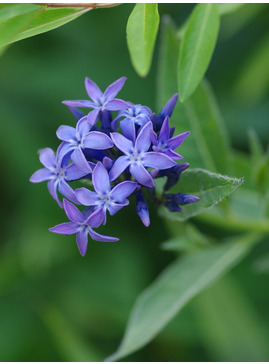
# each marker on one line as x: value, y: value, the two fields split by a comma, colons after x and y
x: 121, y: 157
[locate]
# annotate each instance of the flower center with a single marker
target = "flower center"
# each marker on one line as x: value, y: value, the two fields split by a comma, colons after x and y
x: 105, y: 200
x: 60, y: 174
x: 162, y: 146
x: 135, y: 156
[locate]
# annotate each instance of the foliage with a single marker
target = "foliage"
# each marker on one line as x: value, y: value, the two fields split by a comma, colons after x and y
x: 79, y: 308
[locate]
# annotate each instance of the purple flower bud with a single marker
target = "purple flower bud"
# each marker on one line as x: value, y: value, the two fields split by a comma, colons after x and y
x: 167, y: 110
x: 174, y: 175
x: 173, y: 201
x: 142, y: 209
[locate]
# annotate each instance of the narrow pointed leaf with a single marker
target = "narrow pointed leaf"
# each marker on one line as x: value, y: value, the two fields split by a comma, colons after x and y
x: 12, y: 26
x: 142, y: 29
x: 199, y: 114
x: 211, y: 188
x: 208, y: 128
x: 19, y: 22
x: 197, y: 47
x: 178, y: 284
x: 228, y: 8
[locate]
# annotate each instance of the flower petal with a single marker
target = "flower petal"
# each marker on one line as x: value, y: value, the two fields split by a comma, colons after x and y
x: 141, y: 175
x: 128, y: 129
x: 52, y: 187
x: 122, y: 143
x: 80, y: 161
x: 97, y: 140
x: 100, y: 179
x: 67, y: 228
x: 86, y: 197
x: 66, y: 133
x: 115, y: 207
x: 42, y: 175
x: 165, y: 131
x: 96, y: 218
x: 82, y: 241
x: 98, y: 237
x: 72, y: 172
x: 122, y: 190
x: 118, y: 167
x: 153, y: 137
x: 83, y: 127
x: 170, y: 153
x: 143, y: 140
x: 93, y: 90
x: 47, y: 158
x: 67, y: 191
x: 157, y: 160
x: 73, y: 212
x: 79, y: 103
x: 116, y: 104
x: 174, y: 142
x: 113, y: 89
x: 93, y: 116
x: 64, y: 149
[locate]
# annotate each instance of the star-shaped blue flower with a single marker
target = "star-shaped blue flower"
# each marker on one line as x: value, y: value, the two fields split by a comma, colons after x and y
x: 58, y: 172
x: 101, y: 101
x: 82, y: 224
x: 164, y: 144
x: 75, y: 140
x: 137, y: 157
x: 104, y: 197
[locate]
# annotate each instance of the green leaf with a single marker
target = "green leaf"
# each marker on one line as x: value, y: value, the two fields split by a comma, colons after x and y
x: 211, y: 188
x: 177, y: 285
x: 197, y: 47
x: 228, y: 8
x: 167, y: 86
x: 167, y: 62
x: 10, y: 10
x: 142, y: 29
x: 19, y: 21
x: 208, y: 129
x: 200, y: 113
x: 10, y: 27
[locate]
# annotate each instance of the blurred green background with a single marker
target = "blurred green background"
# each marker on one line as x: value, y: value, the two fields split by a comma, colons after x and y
x: 56, y: 305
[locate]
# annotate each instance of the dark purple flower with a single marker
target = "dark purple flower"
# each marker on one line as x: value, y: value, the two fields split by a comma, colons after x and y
x: 104, y: 197
x: 137, y: 157
x: 81, y: 224
x: 75, y: 140
x: 100, y: 101
x: 133, y: 118
x: 142, y: 209
x: 57, y: 172
x: 167, y: 110
x: 173, y: 201
x: 164, y: 144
